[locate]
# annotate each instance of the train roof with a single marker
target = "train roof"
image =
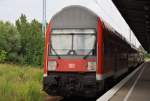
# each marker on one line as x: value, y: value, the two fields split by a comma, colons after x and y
x: 95, y: 13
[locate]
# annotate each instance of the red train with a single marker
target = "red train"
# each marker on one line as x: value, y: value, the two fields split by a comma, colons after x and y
x: 82, y: 52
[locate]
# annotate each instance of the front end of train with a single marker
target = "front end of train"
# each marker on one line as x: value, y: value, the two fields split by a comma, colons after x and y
x: 71, y: 53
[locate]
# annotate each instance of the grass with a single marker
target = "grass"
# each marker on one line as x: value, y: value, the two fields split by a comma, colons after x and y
x: 20, y: 83
x: 147, y: 59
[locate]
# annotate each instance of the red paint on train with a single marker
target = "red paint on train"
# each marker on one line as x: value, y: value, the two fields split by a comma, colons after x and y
x: 99, y: 48
x: 47, y: 37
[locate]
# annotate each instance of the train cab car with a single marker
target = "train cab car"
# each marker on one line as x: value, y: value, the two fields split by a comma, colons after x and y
x: 81, y: 52
x: 71, y: 53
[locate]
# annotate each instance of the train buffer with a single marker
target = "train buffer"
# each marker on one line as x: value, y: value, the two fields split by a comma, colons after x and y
x: 134, y: 87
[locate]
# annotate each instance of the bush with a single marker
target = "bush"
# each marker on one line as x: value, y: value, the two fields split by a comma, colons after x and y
x: 2, y: 56
x: 147, y: 55
x: 9, y: 42
x: 23, y: 42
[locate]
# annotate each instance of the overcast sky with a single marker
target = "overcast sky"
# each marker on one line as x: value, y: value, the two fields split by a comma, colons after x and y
x: 10, y: 10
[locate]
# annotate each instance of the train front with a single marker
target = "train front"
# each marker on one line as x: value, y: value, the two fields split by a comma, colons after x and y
x: 71, y: 53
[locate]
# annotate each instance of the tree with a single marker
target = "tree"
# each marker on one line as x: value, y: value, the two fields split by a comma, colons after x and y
x: 31, y: 41
x: 2, y: 56
x: 22, y: 43
x: 23, y: 28
x: 37, y: 42
x: 10, y: 41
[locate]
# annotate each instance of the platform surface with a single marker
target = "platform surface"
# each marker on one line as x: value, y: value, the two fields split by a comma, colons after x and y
x: 137, y: 88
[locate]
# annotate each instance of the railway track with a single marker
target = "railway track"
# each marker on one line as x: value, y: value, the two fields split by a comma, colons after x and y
x: 79, y: 99
x: 59, y: 98
x: 53, y: 98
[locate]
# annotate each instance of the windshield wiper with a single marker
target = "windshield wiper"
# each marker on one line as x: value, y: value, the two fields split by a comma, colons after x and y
x: 55, y: 52
x: 88, y: 54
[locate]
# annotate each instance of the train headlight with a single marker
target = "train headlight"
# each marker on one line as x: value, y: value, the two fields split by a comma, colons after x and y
x: 52, y: 65
x: 91, y: 66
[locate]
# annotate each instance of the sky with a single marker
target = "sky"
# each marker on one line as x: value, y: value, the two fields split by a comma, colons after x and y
x: 10, y: 10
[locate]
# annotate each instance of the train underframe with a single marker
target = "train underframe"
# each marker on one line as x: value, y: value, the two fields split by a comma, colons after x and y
x: 72, y: 84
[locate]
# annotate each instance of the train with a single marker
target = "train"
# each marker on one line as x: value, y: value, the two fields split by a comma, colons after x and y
x: 82, y: 52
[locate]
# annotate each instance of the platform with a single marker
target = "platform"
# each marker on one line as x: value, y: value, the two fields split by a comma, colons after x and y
x: 136, y: 88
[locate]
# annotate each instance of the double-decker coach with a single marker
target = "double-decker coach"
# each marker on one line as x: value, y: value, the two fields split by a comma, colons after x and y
x: 82, y: 52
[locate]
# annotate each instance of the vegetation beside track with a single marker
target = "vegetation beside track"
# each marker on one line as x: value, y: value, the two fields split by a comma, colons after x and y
x: 147, y: 57
x: 20, y: 83
x: 22, y: 42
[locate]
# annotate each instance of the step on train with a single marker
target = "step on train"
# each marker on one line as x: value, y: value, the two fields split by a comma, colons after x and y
x: 82, y: 52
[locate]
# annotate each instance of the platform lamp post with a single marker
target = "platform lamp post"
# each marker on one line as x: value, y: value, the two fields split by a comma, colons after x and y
x: 44, y: 18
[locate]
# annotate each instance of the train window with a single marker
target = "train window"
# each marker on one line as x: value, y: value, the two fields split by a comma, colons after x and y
x: 61, y: 43
x: 83, y: 44
x: 72, y: 42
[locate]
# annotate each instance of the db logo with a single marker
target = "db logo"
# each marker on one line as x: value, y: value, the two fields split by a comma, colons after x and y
x: 72, y: 65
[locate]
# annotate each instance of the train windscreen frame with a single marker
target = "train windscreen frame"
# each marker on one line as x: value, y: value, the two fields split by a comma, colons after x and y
x: 74, y: 42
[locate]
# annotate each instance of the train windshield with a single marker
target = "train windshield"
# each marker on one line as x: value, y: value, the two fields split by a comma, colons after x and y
x: 73, y: 42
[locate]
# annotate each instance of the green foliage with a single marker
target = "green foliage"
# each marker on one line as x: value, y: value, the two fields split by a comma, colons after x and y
x: 10, y: 40
x: 2, y: 56
x: 23, y: 42
x: 31, y: 41
x: 20, y: 83
x: 147, y: 56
